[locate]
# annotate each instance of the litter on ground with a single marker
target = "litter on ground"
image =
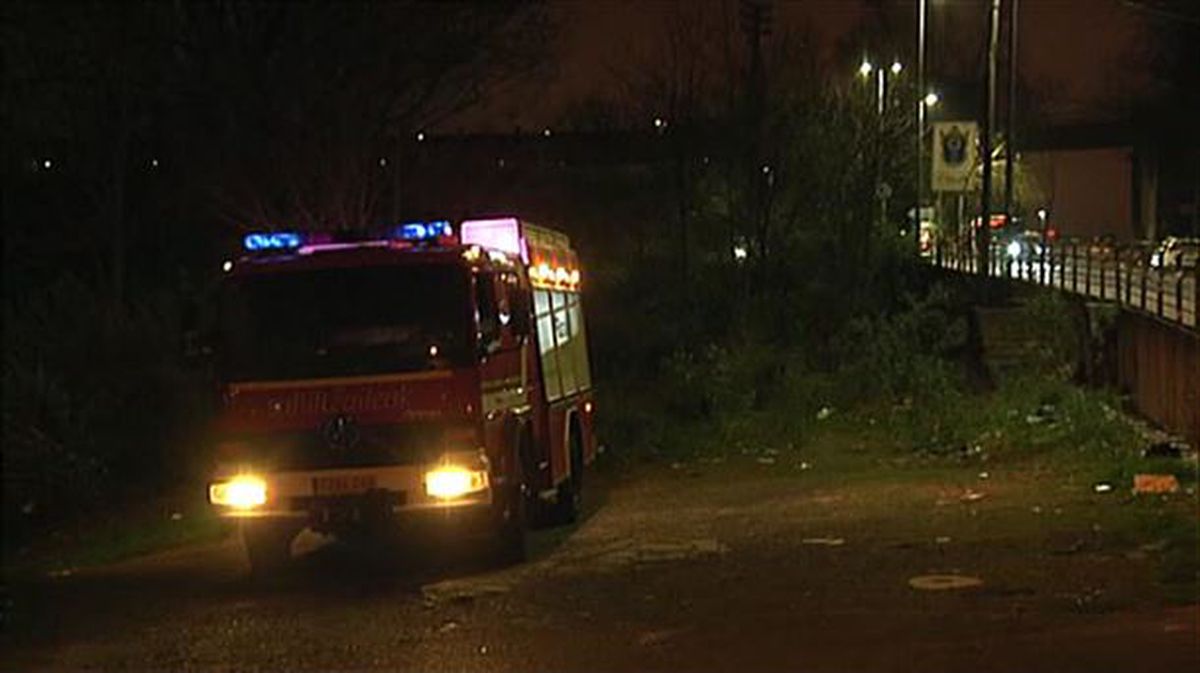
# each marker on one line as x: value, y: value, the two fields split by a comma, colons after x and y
x: 825, y: 541
x: 1155, y: 483
x: 944, y: 582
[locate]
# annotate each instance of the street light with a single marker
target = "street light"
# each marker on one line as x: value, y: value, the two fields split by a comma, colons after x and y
x: 932, y: 99
x: 865, y: 69
x: 897, y: 67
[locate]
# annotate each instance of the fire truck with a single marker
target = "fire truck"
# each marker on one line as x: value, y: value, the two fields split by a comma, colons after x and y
x: 435, y: 375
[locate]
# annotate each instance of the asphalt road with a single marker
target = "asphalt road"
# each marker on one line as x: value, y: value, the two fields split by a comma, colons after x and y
x: 740, y: 565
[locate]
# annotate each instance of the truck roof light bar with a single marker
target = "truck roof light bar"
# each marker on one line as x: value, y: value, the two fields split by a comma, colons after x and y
x: 423, y: 231
x: 277, y: 240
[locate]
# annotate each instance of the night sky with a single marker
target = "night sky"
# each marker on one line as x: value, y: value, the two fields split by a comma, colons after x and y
x: 1084, y: 56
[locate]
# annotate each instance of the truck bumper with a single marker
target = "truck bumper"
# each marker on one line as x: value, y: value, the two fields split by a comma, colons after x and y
x: 392, y: 497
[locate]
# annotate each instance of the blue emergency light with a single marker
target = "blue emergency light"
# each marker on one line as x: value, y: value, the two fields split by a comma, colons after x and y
x: 423, y: 231
x: 279, y: 240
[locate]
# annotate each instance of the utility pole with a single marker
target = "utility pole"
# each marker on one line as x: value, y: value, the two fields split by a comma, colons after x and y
x: 1010, y: 142
x: 984, y: 235
x: 920, y: 124
x: 756, y: 24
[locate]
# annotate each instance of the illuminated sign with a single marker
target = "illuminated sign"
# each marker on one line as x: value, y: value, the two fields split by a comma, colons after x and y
x: 503, y: 234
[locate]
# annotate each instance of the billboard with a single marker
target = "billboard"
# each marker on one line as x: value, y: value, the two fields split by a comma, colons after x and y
x: 955, y: 155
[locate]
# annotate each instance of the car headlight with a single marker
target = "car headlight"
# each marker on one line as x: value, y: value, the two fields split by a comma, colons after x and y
x: 451, y: 481
x: 244, y: 491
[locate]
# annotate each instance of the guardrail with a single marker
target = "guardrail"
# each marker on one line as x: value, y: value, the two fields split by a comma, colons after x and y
x: 1115, y: 273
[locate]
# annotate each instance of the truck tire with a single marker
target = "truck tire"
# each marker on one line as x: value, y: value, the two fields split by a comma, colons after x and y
x: 268, y: 546
x: 508, y: 544
x: 569, y: 501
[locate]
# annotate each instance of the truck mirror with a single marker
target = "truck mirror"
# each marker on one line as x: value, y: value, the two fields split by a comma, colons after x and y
x: 521, y: 324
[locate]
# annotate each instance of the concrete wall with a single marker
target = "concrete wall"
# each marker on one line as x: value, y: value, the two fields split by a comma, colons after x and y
x: 1159, y: 365
x: 1090, y: 191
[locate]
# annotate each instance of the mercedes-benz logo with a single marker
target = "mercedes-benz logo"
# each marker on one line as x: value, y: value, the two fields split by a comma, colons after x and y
x: 340, y: 432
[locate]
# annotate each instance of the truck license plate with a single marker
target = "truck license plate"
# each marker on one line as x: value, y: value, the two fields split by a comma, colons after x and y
x: 343, y: 484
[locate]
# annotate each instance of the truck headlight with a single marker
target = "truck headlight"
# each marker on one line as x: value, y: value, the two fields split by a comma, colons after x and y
x: 241, y: 492
x: 452, y: 482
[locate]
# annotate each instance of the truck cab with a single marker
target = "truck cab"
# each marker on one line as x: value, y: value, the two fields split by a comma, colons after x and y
x: 430, y: 376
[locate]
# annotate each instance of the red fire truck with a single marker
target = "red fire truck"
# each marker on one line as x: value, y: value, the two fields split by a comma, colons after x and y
x: 435, y: 375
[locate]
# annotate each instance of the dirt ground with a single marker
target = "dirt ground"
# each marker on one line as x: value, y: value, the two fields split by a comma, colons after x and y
x: 748, y: 562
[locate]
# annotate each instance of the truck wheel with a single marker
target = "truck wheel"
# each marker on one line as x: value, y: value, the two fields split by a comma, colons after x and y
x: 509, y: 540
x: 570, y: 493
x: 268, y: 546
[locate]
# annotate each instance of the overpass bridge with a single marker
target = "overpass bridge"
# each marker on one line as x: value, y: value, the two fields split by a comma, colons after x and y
x: 1158, y: 326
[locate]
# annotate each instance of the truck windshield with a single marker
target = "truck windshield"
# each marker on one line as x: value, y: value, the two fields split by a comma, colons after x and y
x: 343, y: 322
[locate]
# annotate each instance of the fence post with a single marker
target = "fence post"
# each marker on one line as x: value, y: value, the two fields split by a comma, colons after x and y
x: 1159, y: 312
x: 1129, y: 279
x: 1145, y: 272
x: 1087, y: 271
x: 1196, y: 295
x: 1072, y: 264
x: 1179, y: 295
x: 1074, y: 267
x: 1117, y: 274
x: 1050, y: 262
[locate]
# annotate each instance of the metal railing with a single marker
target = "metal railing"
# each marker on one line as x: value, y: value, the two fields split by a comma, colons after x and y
x: 1120, y: 273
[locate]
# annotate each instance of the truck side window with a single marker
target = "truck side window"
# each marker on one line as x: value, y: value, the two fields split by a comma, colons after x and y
x: 487, y: 313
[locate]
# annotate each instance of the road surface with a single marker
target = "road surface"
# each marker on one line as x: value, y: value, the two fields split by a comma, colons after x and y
x: 751, y: 563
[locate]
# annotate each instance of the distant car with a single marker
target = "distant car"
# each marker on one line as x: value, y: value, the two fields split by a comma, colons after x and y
x: 1023, y: 246
x: 1176, y: 252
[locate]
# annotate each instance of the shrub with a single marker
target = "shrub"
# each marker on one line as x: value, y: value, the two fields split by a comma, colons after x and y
x: 90, y: 393
x: 905, y: 354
